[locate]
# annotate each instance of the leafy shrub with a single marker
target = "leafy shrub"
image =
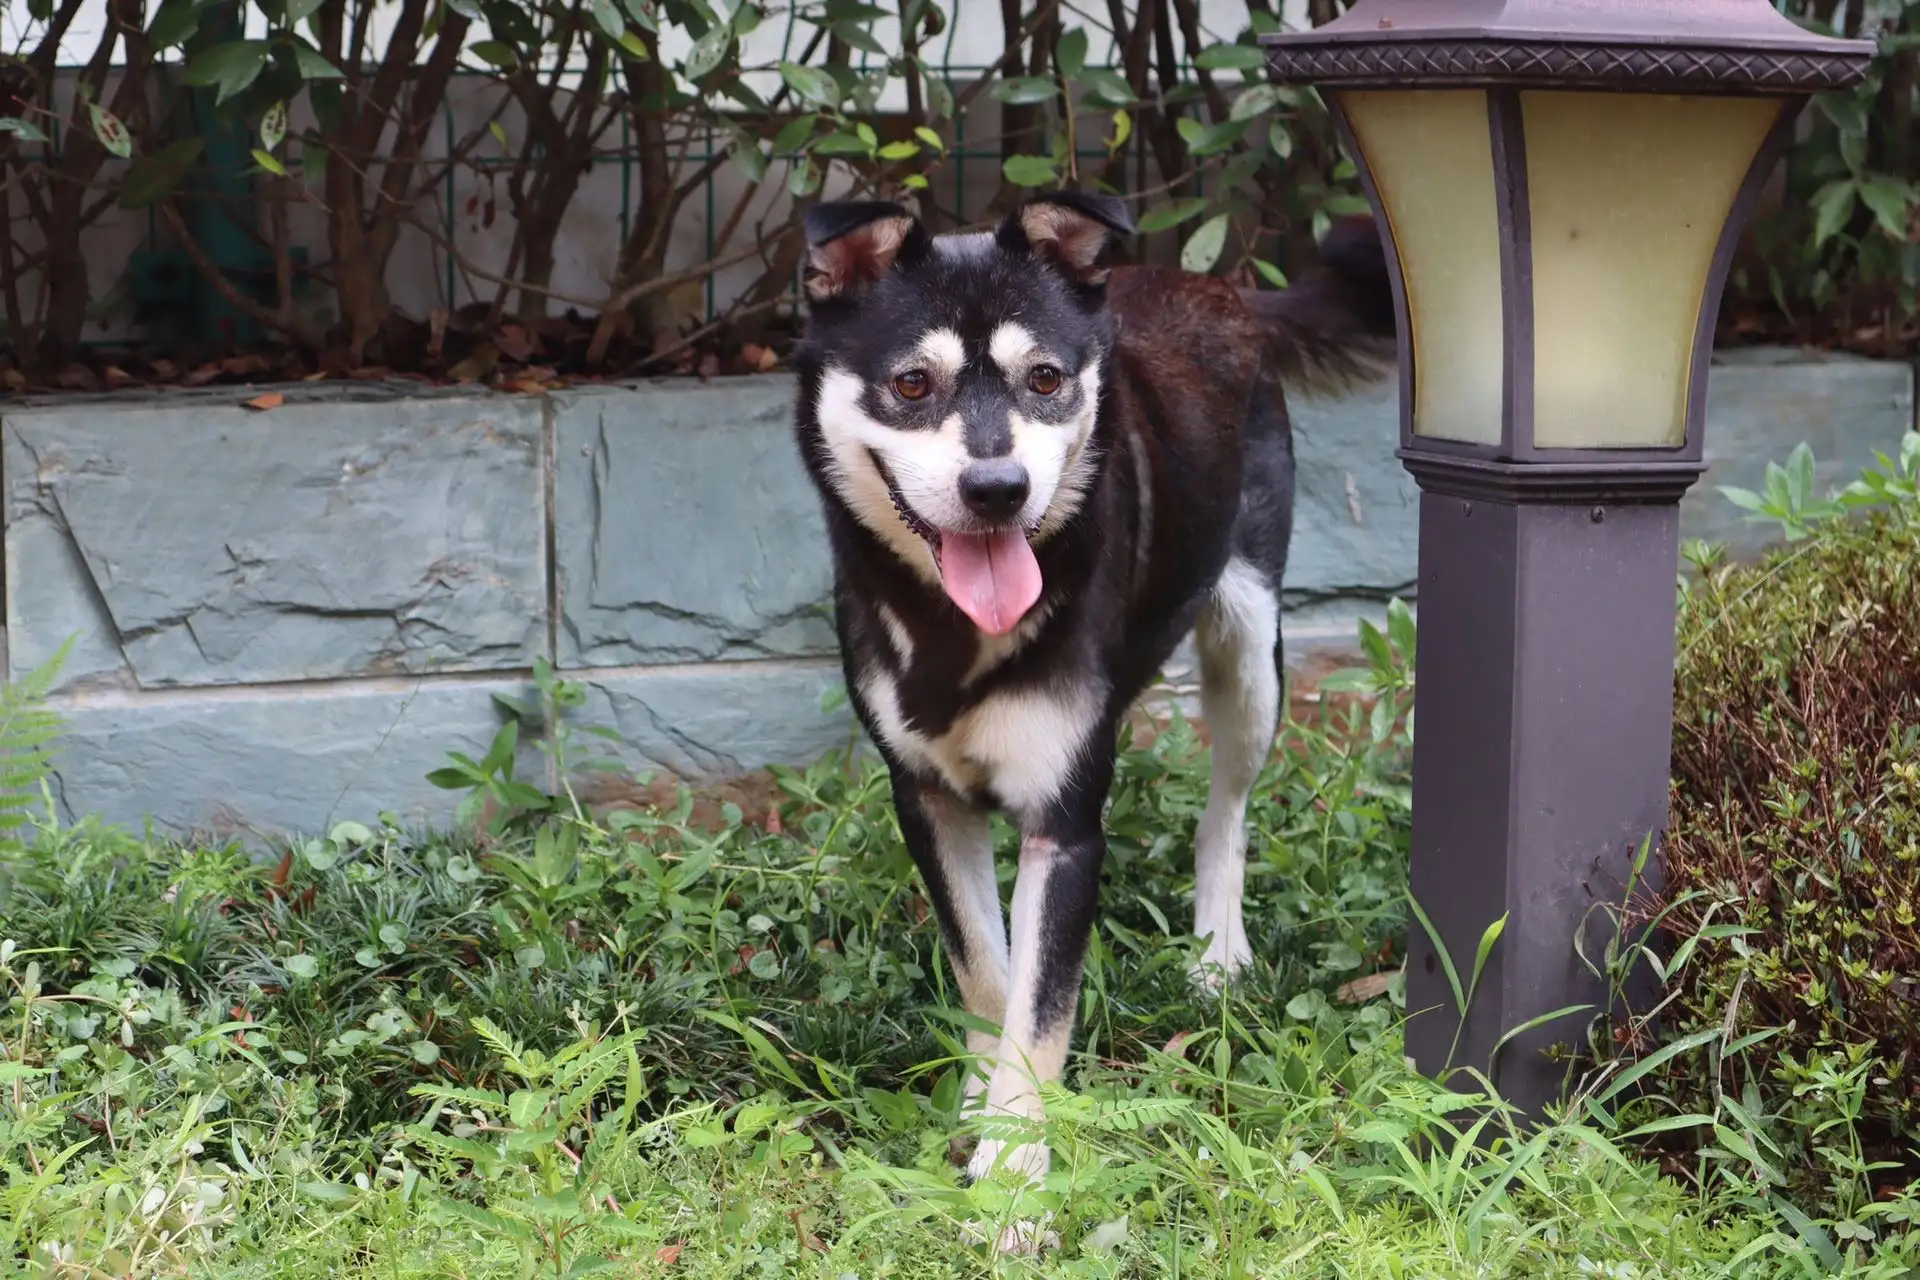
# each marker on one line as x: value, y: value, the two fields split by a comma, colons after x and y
x: 1793, y: 857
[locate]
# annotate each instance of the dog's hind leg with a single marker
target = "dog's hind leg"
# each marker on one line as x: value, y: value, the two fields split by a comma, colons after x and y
x: 952, y: 845
x: 1238, y: 637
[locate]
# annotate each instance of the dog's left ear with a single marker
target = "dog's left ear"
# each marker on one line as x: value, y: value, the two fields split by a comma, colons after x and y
x: 1071, y: 230
x: 851, y: 244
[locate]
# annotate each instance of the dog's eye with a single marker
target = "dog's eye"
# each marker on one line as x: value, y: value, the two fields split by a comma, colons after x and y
x: 1045, y: 380
x: 911, y: 385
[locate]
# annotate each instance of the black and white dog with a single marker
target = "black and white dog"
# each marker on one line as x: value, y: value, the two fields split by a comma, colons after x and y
x: 1040, y: 472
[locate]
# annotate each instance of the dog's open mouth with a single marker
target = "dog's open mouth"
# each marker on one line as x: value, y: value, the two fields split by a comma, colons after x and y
x: 993, y: 576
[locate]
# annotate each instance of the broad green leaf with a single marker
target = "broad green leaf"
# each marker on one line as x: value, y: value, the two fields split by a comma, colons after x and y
x: 1833, y: 206
x: 811, y: 83
x: 901, y: 150
x: 266, y: 161
x: 175, y: 21
x: 155, y: 175
x: 840, y: 144
x: 1203, y: 247
x: 228, y: 67
x: 1891, y: 201
x: 858, y: 37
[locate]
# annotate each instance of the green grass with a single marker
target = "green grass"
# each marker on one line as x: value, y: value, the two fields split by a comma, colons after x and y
x: 647, y: 1046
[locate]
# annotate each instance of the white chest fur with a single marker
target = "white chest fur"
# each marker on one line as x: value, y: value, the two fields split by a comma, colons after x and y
x: 1020, y: 745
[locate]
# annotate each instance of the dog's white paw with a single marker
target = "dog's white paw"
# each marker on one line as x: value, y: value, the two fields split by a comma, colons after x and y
x: 1226, y: 955
x: 1028, y: 1161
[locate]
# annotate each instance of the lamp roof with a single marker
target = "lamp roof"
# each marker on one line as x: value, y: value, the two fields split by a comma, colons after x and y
x: 1694, y: 46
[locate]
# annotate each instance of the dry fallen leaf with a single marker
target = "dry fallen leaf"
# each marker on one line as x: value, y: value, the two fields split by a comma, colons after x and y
x: 669, y: 1253
x: 270, y: 400
x: 1361, y: 990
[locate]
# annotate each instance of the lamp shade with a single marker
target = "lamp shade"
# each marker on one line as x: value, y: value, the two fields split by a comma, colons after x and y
x: 1562, y: 184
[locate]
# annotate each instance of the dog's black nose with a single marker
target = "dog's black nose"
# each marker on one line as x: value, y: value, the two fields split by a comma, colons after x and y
x: 995, y: 488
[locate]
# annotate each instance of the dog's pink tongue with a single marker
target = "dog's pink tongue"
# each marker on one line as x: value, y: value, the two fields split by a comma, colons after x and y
x: 993, y: 577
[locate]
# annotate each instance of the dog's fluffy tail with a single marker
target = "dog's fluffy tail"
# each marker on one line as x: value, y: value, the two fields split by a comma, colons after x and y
x: 1334, y: 328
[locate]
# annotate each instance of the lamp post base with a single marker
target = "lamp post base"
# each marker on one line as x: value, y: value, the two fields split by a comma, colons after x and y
x: 1541, y: 757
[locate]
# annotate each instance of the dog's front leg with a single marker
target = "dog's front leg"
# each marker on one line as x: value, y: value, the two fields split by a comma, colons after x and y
x: 1054, y: 900
x: 952, y: 845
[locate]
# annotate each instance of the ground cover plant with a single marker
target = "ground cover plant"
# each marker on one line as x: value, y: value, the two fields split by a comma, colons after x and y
x: 689, y: 1040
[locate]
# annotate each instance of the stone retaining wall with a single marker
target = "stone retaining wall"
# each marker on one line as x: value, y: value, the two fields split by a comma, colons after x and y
x: 290, y: 616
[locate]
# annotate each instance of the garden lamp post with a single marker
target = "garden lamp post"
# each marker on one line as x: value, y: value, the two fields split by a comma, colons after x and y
x: 1561, y: 185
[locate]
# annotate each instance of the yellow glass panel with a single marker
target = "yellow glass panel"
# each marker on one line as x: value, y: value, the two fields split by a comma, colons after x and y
x: 1431, y: 155
x: 1629, y: 194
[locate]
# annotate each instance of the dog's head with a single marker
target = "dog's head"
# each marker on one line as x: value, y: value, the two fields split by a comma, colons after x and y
x: 954, y: 383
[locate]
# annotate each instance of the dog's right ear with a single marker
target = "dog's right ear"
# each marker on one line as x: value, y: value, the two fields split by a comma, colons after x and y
x: 851, y: 244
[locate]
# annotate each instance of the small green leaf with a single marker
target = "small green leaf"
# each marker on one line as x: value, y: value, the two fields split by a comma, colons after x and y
x: 608, y: 17
x: 709, y: 51
x: 1210, y: 139
x: 273, y: 126
x: 312, y: 64
x: 302, y: 965
x: 21, y: 129
x: 425, y: 1052
x: 1106, y: 88
x: 1257, y: 100
x: 1025, y: 90
x: 111, y: 133
x: 1030, y: 171
x: 636, y: 47
x: 1071, y: 52
x: 1171, y: 215
x: 901, y: 150
x: 266, y: 161
x: 1270, y: 273
x: 931, y: 138
x: 496, y: 53
x: 1230, y: 57
x: 1204, y: 246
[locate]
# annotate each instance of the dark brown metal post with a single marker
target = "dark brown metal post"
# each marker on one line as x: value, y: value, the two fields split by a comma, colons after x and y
x: 1542, y: 750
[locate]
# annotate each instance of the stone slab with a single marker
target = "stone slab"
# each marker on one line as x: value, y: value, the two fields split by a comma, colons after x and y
x: 685, y: 528
x: 1356, y: 510
x: 269, y: 760
x: 195, y: 542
